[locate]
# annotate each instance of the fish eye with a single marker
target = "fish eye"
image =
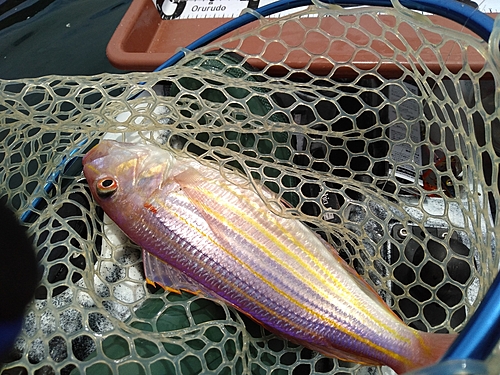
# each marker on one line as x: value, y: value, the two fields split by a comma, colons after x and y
x: 106, y: 187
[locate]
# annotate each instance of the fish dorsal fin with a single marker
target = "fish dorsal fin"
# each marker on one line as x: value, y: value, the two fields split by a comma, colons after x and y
x: 168, y: 277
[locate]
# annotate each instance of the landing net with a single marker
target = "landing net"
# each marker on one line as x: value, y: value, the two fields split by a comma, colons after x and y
x: 353, y: 117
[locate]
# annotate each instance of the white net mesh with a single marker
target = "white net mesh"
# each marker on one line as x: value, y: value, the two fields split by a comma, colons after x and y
x: 393, y: 160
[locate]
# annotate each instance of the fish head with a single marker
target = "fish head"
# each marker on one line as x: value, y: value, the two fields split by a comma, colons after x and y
x: 121, y: 175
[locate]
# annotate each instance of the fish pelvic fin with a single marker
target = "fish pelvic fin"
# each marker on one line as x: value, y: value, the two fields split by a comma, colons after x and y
x: 158, y: 272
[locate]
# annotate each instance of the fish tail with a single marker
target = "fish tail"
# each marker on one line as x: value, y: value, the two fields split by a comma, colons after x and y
x: 436, y: 345
x: 432, y: 347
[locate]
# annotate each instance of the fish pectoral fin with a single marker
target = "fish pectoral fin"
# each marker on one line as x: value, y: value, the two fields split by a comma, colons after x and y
x: 168, y: 277
x: 189, y: 177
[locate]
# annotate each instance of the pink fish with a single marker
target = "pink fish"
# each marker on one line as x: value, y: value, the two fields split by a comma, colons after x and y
x: 204, y: 234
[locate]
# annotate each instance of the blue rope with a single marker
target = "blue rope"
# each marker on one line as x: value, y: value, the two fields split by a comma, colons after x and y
x: 470, y: 17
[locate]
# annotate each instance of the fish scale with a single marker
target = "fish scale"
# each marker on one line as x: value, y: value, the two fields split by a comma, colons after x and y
x: 283, y: 259
x: 204, y: 234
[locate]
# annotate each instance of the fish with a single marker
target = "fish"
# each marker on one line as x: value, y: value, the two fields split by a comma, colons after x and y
x: 204, y: 231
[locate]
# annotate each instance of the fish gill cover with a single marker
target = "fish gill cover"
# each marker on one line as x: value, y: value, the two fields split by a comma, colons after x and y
x: 397, y: 168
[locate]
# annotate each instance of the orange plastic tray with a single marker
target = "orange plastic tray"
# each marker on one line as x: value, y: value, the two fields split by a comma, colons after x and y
x: 143, y: 41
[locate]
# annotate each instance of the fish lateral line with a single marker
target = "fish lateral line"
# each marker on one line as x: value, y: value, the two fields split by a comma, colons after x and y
x: 138, y: 208
x: 207, y: 209
x: 202, y: 209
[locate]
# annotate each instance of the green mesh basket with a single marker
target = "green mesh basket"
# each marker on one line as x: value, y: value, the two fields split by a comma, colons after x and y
x: 393, y: 159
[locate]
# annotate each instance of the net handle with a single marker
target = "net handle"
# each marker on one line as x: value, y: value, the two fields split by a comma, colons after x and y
x: 469, y: 17
x: 481, y: 334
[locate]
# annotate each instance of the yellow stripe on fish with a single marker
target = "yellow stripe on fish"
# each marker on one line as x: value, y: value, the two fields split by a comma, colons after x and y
x: 325, y: 278
x: 228, y: 252
x: 337, y: 285
x: 202, y: 232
